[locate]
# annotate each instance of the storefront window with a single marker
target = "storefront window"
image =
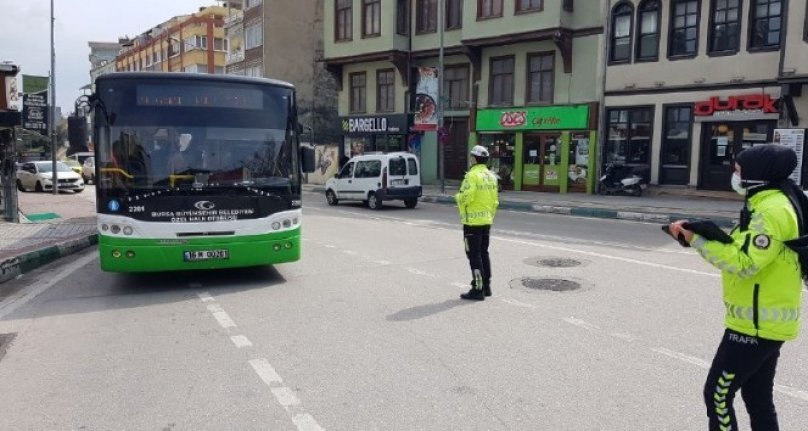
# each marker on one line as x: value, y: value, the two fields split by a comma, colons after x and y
x: 676, y: 144
x: 630, y: 131
x: 501, y: 148
x: 389, y: 143
x: 356, y: 146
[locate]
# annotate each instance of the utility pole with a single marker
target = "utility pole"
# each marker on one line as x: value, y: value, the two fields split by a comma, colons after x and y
x: 52, y: 116
x: 441, y: 145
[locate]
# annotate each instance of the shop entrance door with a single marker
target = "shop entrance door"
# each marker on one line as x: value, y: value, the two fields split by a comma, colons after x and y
x: 721, y: 142
x: 456, y: 154
x: 541, y: 162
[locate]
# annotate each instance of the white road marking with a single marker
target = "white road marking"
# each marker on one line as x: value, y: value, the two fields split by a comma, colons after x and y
x: 419, y: 272
x: 682, y: 357
x: 461, y: 285
x: 795, y: 393
x: 382, y: 262
x: 205, y: 296
x: 350, y: 252
x: 518, y: 303
x: 622, y: 336
x: 305, y: 422
x: 580, y: 323
x: 241, y: 341
x: 265, y: 371
x: 285, y: 396
x: 608, y: 256
x: 221, y: 316
x: 22, y: 297
x: 329, y: 246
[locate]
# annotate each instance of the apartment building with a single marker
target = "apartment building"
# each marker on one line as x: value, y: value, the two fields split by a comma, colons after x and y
x: 690, y: 83
x: 282, y: 39
x: 102, y: 57
x: 187, y: 43
x: 520, y: 77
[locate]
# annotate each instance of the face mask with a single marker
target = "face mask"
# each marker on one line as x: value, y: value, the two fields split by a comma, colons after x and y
x: 736, y: 185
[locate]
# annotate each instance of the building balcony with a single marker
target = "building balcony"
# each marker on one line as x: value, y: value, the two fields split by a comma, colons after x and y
x: 233, y: 57
x: 232, y: 20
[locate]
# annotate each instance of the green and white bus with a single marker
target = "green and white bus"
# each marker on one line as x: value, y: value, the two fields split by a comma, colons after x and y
x: 196, y: 171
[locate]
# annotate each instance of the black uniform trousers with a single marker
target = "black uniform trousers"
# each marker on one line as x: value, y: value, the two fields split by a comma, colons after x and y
x: 476, y: 239
x: 746, y: 363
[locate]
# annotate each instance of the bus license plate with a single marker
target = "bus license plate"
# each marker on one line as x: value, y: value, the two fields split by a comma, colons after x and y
x: 194, y: 256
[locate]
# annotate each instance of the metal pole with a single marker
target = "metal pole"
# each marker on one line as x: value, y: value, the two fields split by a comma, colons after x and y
x: 441, y: 146
x: 52, y: 116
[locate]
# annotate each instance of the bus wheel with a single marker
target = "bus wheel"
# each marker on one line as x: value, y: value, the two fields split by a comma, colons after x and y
x: 331, y: 197
x: 374, y: 202
x: 411, y: 203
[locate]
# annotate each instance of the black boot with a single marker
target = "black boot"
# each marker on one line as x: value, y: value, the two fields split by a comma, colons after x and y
x: 487, y: 290
x: 474, y: 295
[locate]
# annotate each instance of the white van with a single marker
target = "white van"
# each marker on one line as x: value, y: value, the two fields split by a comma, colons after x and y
x: 374, y: 178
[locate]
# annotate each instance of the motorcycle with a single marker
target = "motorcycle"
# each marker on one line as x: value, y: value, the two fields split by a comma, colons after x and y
x: 619, y: 179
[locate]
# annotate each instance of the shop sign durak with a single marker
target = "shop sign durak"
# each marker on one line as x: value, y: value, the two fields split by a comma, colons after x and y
x: 366, y: 125
x: 759, y: 103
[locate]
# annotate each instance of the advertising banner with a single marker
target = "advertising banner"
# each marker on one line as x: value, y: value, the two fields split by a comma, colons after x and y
x: 794, y: 139
x: 13, y: 101
x: 35, y: 103
x: 426, y: 96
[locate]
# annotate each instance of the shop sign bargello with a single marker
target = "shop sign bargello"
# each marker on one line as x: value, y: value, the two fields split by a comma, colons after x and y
x: 364, y: 125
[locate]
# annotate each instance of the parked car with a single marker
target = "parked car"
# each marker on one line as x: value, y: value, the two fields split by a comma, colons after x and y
x: 374, y: 178
x: 88, y: 170
x: 38, y: 176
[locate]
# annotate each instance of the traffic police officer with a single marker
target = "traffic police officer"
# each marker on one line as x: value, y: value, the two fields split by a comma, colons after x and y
x: 762, y: 286
x: 477, y: 202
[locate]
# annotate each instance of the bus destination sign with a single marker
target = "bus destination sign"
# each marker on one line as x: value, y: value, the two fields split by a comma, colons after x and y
x: 204, y: 96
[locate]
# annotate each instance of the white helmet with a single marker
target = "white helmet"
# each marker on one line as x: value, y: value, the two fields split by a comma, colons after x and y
x: 479, y: 151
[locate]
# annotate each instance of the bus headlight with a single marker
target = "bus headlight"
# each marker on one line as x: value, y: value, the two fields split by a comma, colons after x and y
x: 276, y: 225
x: 104, y: 227
x: 287, y: 223
x: 115, y: 229
x: 128, y: 230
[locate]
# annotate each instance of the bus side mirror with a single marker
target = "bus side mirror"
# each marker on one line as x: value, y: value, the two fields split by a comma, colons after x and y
x: 307, y: 159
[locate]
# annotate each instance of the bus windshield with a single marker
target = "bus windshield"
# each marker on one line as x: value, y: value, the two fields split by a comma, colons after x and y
x: 187, y: 133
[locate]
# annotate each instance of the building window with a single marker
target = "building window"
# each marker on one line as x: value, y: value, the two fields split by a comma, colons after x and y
x: 385, y: 90
x: 220, y: 44
x: 725, y: 26
x: 219, y: 70
x: 529, y: 5
x: 489, y: 8
x: 456, y: 81
x: 343, y: 26
x: 256, y: 70
x: 254, y: 36
x: 684, y: 28
x: 675, y: 158
x: 648, y: 31
x: 568, y: 6
x: 540, y: 78
x: 501, y: 82
x: 454, y: 14
x: 173, y: 48
x: 196, y: 68
x: 358, y: 91
x: 371, y: 18
x: 766, y: 24
x: 402, y: 17
x: 620, y: 51
x: 426, y: 16
x: 196, y: 42
x: 630, y: 131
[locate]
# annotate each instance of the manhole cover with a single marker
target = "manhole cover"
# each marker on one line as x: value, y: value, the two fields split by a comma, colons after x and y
x: 554, y: 284
x: 559, y: 262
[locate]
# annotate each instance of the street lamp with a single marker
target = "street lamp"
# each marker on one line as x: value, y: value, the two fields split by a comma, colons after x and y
x: 440, y: 137
x: 52, y: 116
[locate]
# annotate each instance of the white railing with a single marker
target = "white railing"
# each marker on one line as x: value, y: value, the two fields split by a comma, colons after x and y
x: 234, y: 57
x: 233, y: 20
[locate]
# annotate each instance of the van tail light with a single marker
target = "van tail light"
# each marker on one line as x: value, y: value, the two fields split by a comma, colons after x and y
x: 384, y: 179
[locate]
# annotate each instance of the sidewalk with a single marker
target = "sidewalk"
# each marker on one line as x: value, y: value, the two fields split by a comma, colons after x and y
x: 660, y: 209
x: 52, y: 226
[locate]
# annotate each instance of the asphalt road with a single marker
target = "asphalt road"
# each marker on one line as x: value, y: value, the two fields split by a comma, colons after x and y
x: 367, y: 333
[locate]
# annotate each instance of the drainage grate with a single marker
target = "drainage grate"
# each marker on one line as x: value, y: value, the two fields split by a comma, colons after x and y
x: 554, y: 284
x: 5, y: 341
x: 559, y: 262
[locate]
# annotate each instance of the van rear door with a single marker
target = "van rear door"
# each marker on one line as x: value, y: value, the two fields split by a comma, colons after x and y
x: 397, y: 172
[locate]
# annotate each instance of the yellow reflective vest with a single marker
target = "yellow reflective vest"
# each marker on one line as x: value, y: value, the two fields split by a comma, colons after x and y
x: 761, y: 276
x: 477, y: 199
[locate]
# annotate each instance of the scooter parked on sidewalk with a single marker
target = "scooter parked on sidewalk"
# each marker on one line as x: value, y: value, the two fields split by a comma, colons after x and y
x: 620, y: 179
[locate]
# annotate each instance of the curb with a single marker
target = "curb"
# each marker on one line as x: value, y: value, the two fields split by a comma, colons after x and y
x: 579, y: 211
x: 13, y: 267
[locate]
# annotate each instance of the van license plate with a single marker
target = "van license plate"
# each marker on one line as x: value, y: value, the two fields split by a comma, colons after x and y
x: 399, y: 182
x: 195, y: 256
